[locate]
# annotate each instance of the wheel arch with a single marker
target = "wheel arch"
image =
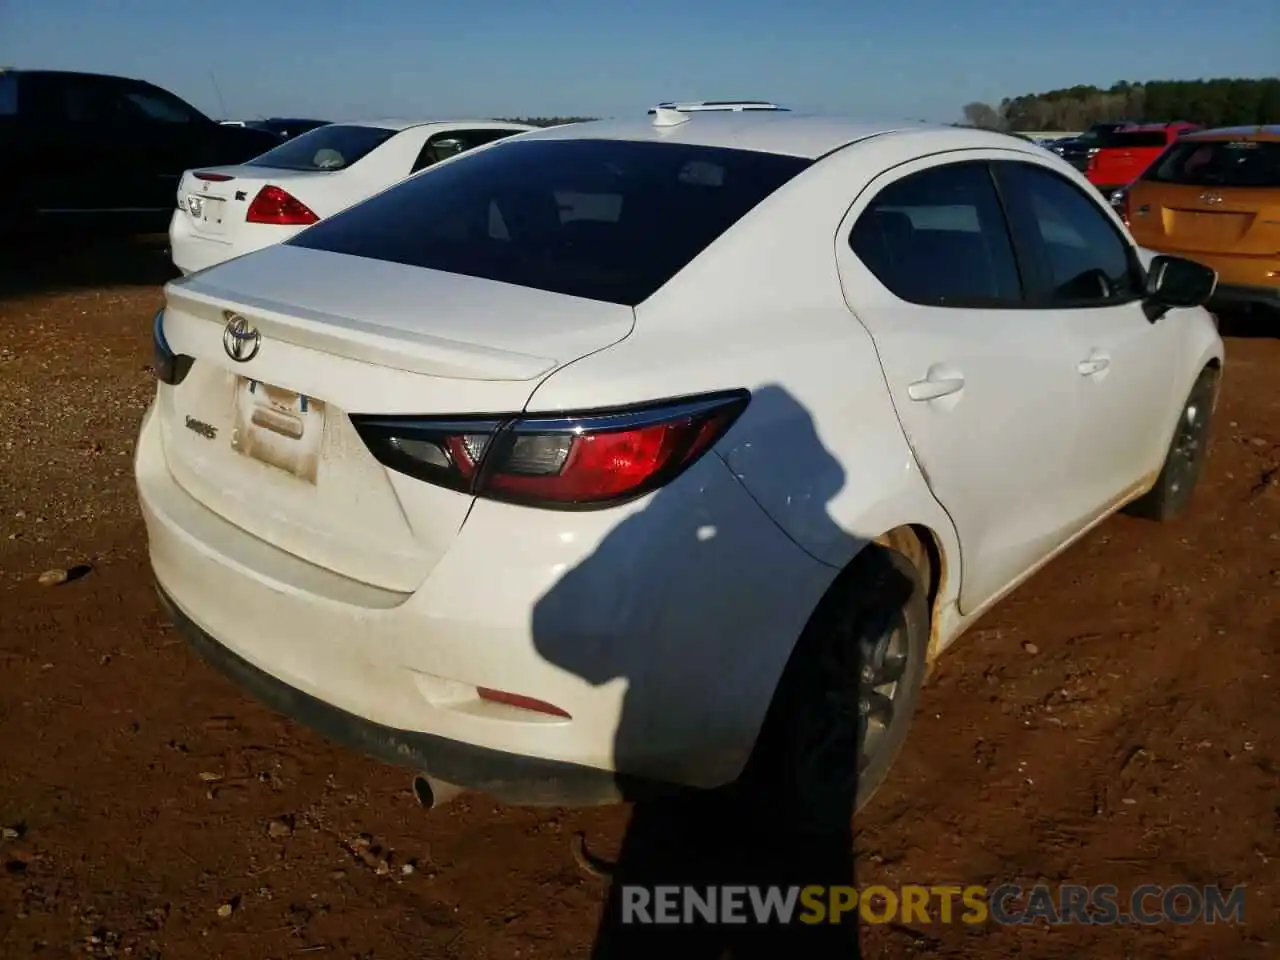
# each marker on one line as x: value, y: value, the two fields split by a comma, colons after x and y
x: 927, y: 550
x: 923, y: 547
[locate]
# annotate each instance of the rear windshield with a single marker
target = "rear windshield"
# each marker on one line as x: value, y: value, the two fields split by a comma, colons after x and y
x: 609, y: 220
x: 333, y: 147
x: 1220, y: 163
x: 1135, y: 138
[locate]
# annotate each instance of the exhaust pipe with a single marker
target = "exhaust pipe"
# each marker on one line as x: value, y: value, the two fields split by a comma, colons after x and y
x: 431, y: 793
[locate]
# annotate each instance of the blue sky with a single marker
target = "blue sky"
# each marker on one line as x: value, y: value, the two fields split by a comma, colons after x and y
x: 917, y: 59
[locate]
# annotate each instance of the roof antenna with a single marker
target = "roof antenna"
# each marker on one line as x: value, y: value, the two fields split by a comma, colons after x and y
x: 222, y: 104
x: 664, y: 116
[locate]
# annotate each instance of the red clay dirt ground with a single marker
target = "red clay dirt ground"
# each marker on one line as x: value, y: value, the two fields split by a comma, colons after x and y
x: 1114, y: 722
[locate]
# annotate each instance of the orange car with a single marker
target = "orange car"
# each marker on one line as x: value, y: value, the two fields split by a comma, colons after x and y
x: 1214, y: 196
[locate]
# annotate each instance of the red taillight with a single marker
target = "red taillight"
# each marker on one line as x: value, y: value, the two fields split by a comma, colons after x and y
x: 273, y: 205
x: 521, y: 702
x: 563, y: 462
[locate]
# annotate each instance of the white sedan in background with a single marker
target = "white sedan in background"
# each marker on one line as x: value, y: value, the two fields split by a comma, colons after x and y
x: 225, y: 212
x: 661, y: 451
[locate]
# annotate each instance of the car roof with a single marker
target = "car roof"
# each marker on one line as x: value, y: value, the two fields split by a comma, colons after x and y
x: 765, y: 131
x: 1264, y: 131
x: 400, y: 123
x: 73, y: 73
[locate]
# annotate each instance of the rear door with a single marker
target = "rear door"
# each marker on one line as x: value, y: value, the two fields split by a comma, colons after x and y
x: 163, y: 136
x: 985, y: 388
x: 1083, y: 275
x: 81, y: 164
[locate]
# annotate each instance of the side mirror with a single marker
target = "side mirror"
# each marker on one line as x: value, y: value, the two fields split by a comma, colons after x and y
x: 1174, y: 282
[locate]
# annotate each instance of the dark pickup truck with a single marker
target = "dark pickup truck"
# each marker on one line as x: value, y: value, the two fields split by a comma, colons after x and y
x: 91, y: 152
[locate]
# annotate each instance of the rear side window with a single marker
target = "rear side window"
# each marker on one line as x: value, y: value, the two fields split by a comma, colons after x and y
x: 151, y: 104
x: 609, y: 220
x: 441, y: 146
x: 939, y: 238
x: 1125, y: 139
x: 333, y: 147
x: 1219, y: 163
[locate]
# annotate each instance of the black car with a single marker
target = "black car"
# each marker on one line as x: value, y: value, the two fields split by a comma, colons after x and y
x: 1078, y: 150
x: 86, y: 151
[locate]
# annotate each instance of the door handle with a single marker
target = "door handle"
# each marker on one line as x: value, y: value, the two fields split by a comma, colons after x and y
x: 1093, y: 365
x: 930, y: 389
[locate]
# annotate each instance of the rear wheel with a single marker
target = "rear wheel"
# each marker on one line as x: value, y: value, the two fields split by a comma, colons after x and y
x: 1183, y: 463
x: 844, y: 705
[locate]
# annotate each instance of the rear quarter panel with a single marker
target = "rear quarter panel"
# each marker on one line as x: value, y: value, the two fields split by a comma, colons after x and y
x: 819, y: 447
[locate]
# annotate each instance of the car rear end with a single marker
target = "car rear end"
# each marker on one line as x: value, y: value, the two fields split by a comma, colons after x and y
x: 1078, y: 150
x: 352, y: 508
x: 1215, y: 197
x: 1124, y: 154
x: 226, y: 212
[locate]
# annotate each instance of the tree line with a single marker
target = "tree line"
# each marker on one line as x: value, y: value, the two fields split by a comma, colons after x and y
x: 1221, y: 102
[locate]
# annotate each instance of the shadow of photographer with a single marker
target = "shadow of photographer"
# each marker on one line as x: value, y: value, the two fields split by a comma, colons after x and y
x: 786, y: 822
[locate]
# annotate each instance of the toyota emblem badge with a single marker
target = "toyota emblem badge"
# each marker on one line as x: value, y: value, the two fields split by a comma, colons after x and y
x: 241, y: 339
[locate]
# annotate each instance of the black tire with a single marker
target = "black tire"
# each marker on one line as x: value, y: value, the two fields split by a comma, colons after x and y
x: 1184, y: 461
x: 821, y: 756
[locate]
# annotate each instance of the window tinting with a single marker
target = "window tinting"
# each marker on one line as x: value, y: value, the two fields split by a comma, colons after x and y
x: 609, y: 220
x: 8, y: 95
x: 1124, y: 139
x: 332, y: 147
x: 1219, y: 163
x: 441, y: 146
x: 158, y: 106
x: 92, y: 101
x: 1082, y: 257
x: 286, y: 127
x: 939, y: 237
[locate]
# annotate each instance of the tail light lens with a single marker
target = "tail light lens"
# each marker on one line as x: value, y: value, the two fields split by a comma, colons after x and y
x: 273, y: 205
x: 571, y: 461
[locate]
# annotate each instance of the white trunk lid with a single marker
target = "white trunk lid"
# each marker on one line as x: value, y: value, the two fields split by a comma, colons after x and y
x: 215, y: 200
x: 267, y: 443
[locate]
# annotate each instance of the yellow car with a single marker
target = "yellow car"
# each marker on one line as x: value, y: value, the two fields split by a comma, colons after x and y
x: 1214, y: 196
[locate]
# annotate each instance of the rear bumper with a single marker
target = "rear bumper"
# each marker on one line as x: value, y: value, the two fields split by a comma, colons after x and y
x: 509, y: 778
x: 193, y: 252
x: 661, y: 628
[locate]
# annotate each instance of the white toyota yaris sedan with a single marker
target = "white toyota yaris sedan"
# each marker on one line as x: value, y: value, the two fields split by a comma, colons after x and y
x: 660, y: 453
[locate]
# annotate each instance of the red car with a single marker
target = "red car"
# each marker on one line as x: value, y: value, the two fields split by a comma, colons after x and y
x: 1125, y: 154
